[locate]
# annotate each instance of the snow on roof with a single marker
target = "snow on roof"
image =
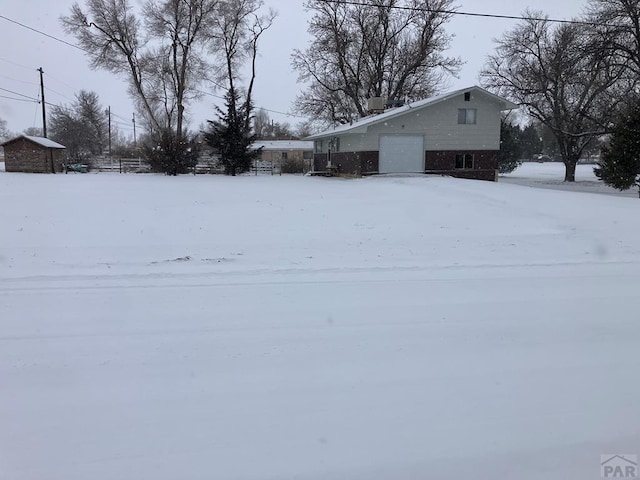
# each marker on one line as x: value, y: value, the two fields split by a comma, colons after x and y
x: 283, y: 144
x: 45, y: 142
x: 396, y: 112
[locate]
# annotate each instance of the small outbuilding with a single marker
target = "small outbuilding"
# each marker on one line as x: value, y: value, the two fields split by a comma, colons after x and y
x: 283, y: 152
x: 33, y: 155
x: 456, y: 134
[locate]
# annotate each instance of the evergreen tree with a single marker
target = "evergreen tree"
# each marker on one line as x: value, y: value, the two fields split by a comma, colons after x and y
x: 530, y: 141
x: 619, y: 165
x: 168, y: 155
x: 231, y: 135
x: 510, y: 149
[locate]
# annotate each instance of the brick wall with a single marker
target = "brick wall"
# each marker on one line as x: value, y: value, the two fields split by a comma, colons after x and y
x: 349, y: 163
x: 485, y: 164
x: 25, y: 156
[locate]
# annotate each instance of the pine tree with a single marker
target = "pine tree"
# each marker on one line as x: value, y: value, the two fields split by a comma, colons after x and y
x: 619, y: 165
x: 231, y: 135
x: 168, y: 155
x: 510, y: 150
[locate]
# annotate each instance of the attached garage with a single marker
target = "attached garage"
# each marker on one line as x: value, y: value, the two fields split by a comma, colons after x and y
x: 401, y: 154
x: 456, y: 134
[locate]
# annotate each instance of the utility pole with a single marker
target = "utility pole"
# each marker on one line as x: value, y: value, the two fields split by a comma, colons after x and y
x: 44, y: 118
x: 135, y: 144
x: 109, y: 116
x: 44, y: 114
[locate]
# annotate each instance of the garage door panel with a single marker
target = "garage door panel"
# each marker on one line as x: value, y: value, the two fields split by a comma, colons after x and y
x: 401, y: 154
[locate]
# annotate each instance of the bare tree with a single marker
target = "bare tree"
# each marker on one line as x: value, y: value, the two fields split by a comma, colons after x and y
x: 81, y: 126
x: 4, y: 131
x: 620, y: 20
x: 566, y: 76
x: 261, y: 122
x: 33, y: 131
x: 388, y: 48
x: 235, y: 33
x: 265, y: 128
x: 161, y: 56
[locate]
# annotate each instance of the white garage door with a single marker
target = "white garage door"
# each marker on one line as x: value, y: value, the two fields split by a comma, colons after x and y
x: 401, y: 154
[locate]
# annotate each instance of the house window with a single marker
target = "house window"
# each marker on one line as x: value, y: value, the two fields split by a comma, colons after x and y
x: 318, y: 146
x: 334, y: 144
x: 467, y: 96
x: 283, y: 155
x: 464, y: 161
x: 466, y: 116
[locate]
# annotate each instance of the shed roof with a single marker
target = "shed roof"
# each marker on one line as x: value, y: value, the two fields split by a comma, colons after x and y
x: 361, y: 125
x: 43, y: 142
x: 283, y: 144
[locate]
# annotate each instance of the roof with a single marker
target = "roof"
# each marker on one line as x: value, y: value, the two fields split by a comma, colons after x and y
x: 283, y: 144
x: 361, y: 125
x: 43, y: 142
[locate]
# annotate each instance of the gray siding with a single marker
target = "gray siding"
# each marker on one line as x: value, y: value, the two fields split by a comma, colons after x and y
x: 439, y: 124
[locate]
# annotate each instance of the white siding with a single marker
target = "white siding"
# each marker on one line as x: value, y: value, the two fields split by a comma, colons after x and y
x: 439, y: 124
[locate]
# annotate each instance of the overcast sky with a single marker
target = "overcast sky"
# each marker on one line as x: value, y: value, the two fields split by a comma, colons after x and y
x: 66, y: 71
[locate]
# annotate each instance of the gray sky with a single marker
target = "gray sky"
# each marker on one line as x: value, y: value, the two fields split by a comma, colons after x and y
x: 66, y: 70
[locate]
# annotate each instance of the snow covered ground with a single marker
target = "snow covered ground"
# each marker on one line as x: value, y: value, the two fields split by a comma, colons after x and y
x: 310, y: 328
x: 551, y: 175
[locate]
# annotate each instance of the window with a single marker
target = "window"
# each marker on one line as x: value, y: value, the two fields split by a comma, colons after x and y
x: 284, y: 155
x: 318, y: 146
x: 467, y: 96
x: 466, y: 116
x: 464, y: 161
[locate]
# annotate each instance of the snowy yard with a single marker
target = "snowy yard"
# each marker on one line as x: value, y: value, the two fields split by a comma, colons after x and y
x: 551, y: 175
x: 309, y: 328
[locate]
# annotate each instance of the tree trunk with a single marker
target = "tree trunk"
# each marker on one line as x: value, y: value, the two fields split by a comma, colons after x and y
x: 570, y: 171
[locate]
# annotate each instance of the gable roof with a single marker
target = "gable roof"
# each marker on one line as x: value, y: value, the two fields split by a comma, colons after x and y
x: 361, y: 125
x: 43, y: 142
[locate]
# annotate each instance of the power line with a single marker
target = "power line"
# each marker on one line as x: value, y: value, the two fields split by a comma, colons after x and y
x: 19, y: 81
x: 468, y: 14
x: 19, y: 99
x: 16, y: 64
x: 19, y: 94
x: 43, y: 33
x: 87, y: 51
x: 61, y: 82
x: 259, y: 107
x: 58, y: 93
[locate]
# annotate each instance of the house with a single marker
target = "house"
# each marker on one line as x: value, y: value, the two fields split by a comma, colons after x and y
x: 278, y: 152
x: 457, y: 134
x: 33, y: 155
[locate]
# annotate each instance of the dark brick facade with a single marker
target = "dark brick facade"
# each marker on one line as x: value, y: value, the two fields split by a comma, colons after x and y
x: 23, y: 155
x: 348, y: 163
x: 485, y: 163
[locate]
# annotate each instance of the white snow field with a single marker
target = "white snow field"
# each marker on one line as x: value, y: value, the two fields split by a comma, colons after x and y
x: 309, y: 328
x: 551, y: 175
